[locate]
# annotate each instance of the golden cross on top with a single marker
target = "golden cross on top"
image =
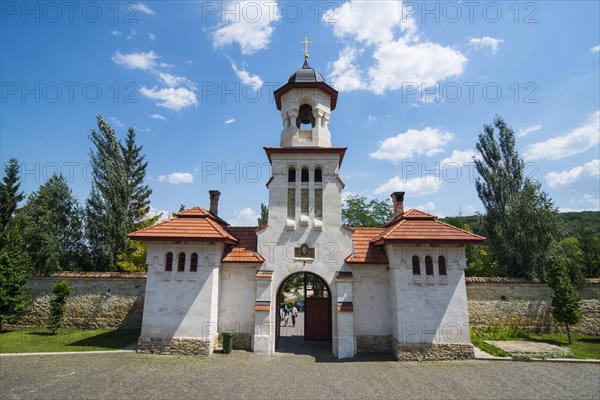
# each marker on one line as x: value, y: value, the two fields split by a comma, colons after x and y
x: 306, y: 43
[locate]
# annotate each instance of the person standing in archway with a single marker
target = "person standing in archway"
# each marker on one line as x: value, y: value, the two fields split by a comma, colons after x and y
x: 286, y: 317
x: 294, y: 314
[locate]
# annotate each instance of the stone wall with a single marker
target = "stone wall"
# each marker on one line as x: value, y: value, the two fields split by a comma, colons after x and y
x: 177, y: 346
x: 105, y: 300
x: 432, y: 352
x: 373, y: 343
x: 513, y: 302
x: 98, y: 300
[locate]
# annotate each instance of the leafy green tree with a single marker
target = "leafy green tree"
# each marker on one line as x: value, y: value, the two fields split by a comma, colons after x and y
x: 52, y: 227
x: 134, y: 259
x: 264, y: 215
x: 14, y: 272
x: 360, y: 213
x: 565, y: 303
x: 10, y: 196
x: 589, y: 254
x: 107, y: 208
x: 61, y: 291
x: 139, y: 193
x: 569, y: 249
x: 521, y: 222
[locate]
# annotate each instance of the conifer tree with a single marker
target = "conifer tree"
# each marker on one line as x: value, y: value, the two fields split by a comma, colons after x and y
x: 139, y: 193
x: 10, y: 196
x: 565, y: 303
x: 107, y: 207
x: 61, y: 291
x: 264, y: 215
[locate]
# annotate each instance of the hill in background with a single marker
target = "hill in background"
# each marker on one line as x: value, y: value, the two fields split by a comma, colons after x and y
x: 574, y: 222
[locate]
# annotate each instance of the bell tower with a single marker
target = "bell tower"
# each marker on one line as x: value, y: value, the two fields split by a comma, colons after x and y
x: 305, y: 102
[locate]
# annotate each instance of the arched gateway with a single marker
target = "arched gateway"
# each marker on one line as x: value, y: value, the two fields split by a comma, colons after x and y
x: 397, y: 288
x: 308, y: 296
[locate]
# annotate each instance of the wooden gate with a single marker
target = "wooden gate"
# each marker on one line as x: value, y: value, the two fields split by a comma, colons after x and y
x: 317, y: 316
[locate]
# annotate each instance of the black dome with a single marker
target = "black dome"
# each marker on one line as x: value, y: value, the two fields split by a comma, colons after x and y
x: 306, y: 74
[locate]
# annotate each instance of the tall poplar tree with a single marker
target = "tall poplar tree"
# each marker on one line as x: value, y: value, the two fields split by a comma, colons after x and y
x: 521, y: 222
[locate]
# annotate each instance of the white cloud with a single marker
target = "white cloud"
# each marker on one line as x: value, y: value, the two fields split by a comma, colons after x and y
x: 574, y: 175
x: 526, y: 131
x: 132, y: 33
x: 230, y: 121
x: 429, y: 141
x: 156, y: 116
x: 173, y: 80
x: 249, y: 25
x: 345, y: 72
x: 460, y: 157
x: 115, y: 32
x: 152, y: 36
x: 144, y: 8
x: 176, y: 178
x: 399, y: 63
x: 486, y: 41
x: 244, y: 217
x: 163, y: 215
x: 116, y: 121
x: 247, y: 79
x: 595, y: 49
x: 469, y: 210
x: 575, y: 142
x: 174, y: 99
x: 371, y: 22
x: 144, y: 61
x: 428, y: 207
x: 416, y: 187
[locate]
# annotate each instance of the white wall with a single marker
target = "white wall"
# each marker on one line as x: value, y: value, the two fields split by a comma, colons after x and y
x: 237, y: 297
x: 433, y: 309
x: 371, y: 300
x: 182, y: 304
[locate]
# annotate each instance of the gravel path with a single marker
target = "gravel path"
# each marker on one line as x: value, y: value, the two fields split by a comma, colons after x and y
x: 247, y: 375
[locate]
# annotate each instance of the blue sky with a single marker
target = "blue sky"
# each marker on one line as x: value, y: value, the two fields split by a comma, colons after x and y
x: 417, y: 81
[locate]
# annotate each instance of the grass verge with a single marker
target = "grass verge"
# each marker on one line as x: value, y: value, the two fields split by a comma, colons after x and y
x: 35, y: 340
x: 583, y: 346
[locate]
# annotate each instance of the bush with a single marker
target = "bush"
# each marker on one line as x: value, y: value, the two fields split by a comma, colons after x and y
x: 61, y: 291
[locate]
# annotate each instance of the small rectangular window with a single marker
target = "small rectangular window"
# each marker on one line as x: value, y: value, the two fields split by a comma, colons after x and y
x: 304, y: 201
x: 318, y: 203
x: 291, y: 205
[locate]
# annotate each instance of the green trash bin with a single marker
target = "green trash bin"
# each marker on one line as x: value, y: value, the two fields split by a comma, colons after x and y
x: 228, y: 341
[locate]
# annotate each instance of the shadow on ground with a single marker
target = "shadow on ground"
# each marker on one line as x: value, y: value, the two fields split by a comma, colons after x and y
x: 116, y: 339
x: 321, y: 351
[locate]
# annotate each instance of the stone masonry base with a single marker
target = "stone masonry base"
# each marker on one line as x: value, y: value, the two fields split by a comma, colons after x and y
x: 176, y: 346
x: 432, y: 351
x: 373, y: 343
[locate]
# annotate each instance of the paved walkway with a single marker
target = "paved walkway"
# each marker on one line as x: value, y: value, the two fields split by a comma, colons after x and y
x: 527, y: 347
x: 247, y: 375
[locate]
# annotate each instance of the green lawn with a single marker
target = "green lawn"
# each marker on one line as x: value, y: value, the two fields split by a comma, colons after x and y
x: 583, y: 346
x: 34, y: 340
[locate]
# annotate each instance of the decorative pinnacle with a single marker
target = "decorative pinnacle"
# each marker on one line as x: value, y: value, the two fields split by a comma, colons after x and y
x: 306, y: 43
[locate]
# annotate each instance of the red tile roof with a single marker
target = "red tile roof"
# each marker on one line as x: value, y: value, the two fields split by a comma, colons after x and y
x: 245, y: 250
x: 415, y: 226
x: 364, y: 252
x: 195, y: 224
